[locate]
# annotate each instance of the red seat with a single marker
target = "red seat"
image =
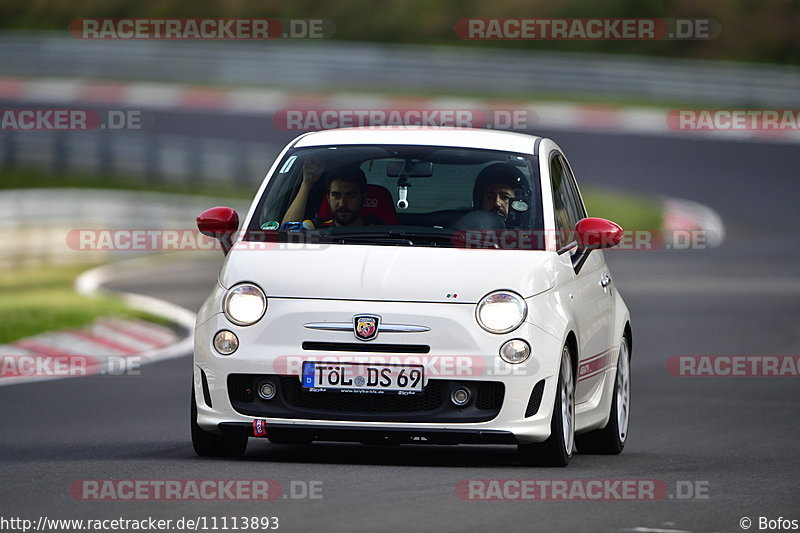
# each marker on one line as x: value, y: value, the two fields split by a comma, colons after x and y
x: 378, y: 202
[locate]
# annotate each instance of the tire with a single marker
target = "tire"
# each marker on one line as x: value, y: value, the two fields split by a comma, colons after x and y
x: 557, y: 449
x: 611, y: 439
x: 208, y: 444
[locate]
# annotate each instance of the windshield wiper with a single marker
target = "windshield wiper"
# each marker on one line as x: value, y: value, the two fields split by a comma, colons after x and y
x: 366, y: 237
x: 392, y: 236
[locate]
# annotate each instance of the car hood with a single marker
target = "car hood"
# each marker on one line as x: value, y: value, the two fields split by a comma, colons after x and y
x: 391, y: 273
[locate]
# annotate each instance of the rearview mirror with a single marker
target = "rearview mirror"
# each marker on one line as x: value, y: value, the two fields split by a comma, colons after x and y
x: 594, y: 233
x: 409, y: 169
x: 220, y: 223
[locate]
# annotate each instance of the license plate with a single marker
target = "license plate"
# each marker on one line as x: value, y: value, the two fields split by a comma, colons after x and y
x: 363, y: 377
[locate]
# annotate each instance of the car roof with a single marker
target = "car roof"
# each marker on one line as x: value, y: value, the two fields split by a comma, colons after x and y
x: 425, y: 136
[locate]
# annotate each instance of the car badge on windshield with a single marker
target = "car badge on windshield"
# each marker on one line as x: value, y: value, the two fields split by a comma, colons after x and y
x: 366, y: 327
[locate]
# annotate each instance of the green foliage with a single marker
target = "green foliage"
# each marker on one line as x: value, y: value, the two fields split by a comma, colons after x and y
x: 752, y: 31
x: 36, y: 300
x: 32, y: 179
x: 631, y: 211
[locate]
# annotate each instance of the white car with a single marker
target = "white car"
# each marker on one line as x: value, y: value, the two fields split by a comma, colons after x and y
x: 414, y: 285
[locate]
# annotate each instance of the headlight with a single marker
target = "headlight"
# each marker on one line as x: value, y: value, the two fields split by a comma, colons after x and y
x: 244, y: 304
x: 501, y: 312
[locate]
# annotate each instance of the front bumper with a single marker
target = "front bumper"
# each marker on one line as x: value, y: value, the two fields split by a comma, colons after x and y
x: 433, y: 404
x: 372, y: 435
x: 265, y: 347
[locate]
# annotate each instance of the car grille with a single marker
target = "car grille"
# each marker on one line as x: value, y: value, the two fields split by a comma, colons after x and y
x: 240, y: 388
x: 490, y: 395
x: 433, y: 404
x: 365, y: 347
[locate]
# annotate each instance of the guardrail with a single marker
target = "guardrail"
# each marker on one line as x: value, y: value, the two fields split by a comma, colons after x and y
x: 36, y: 223
x: 331, y: 65
x: 145, y: 157
x: 325, y: 67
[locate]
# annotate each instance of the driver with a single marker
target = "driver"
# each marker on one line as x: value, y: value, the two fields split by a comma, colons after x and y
x: 345, y: 190
x: 496, y: 188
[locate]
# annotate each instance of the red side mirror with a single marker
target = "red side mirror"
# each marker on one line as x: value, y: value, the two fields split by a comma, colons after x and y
x: 220, y: 223
x: 596, y: 233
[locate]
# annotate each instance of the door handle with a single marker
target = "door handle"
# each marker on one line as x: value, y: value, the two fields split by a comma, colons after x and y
x: 605, y: 281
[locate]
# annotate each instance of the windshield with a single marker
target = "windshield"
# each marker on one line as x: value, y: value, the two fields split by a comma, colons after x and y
x: 399, y: 195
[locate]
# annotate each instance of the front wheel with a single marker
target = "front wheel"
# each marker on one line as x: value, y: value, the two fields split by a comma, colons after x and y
x: 208, y: 444
x: 557, y: 449
x: 611, y: 439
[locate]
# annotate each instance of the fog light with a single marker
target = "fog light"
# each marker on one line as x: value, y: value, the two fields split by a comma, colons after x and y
x: 515, y: 351
x: 460, y: 396
x: 226, y: 342
x: 266, y: 390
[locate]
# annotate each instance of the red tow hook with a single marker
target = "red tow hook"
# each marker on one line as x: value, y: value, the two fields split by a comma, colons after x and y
x: 259, y: 428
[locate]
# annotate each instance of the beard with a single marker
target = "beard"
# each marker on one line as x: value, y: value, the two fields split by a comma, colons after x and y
x: 344, y: 217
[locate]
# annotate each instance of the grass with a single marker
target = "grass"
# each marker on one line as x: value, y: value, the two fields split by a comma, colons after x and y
x: 631, y: 211
x: 35, y: 179
x: 37, y: 300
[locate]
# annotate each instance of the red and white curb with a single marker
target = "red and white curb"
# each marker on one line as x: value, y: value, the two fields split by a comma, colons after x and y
x: 109, y: 346
x: 566, y: 116
x: 682, y: 216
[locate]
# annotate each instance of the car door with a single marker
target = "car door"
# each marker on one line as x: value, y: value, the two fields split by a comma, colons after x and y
x: 588, y: 278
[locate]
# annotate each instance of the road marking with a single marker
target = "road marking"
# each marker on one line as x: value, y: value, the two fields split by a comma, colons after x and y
x: 641, y: 529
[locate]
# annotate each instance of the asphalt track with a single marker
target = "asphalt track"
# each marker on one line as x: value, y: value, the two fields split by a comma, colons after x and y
x: 735, y: 438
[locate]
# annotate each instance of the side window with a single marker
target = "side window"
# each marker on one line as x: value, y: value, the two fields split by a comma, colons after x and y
x: 565, y: 207
x: 283, y: 189
x: 573, y: 188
